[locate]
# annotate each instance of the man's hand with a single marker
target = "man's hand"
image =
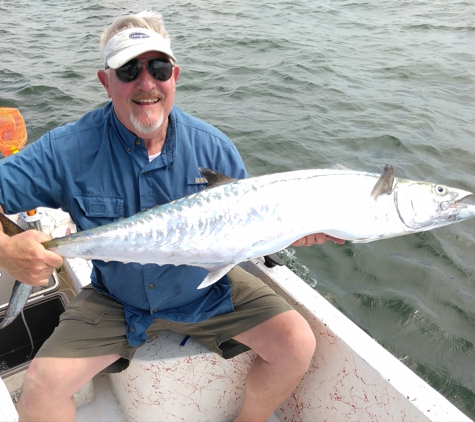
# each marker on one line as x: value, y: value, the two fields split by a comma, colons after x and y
x: 317, y: 239
x: 25, y: 258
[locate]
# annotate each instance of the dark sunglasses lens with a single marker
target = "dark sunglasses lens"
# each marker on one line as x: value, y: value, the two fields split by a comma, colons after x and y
x: 129, y: 71
x: 160, y: 69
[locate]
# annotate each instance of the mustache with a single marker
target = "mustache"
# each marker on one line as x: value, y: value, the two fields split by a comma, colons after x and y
x: 140, y: 95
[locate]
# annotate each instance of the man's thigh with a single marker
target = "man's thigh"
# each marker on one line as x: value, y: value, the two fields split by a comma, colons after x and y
x: 254, y: 303
x: 92, y: 325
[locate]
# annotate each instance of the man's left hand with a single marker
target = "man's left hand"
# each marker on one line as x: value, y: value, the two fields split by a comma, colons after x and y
x: 317, y: 239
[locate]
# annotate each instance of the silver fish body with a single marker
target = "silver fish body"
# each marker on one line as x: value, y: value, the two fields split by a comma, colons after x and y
x: 242, y: 219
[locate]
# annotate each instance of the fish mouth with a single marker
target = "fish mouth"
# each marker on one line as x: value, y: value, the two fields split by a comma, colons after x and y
x: 466, y: 199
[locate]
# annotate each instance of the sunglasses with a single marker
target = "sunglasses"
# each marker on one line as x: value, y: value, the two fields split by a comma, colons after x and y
x: 160, y: 69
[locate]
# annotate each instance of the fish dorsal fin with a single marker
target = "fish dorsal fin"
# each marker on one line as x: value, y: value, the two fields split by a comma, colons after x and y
x: 385, y: 182
x: 10, y: 228
x: 215, y: 178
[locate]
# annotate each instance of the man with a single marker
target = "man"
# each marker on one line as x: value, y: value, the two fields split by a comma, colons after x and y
x: 138, y: 151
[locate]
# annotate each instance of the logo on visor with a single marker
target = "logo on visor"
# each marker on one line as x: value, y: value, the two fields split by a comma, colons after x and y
x: 138, y: 35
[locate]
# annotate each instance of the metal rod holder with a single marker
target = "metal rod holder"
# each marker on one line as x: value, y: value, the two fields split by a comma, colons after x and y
x: 32, y: 218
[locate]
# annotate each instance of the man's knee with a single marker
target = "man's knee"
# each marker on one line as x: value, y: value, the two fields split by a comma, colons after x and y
x: 287, y: 340
x: 41, y: 376
x: 63, y: 376
x: 301, y: 343
x: 37, y: 387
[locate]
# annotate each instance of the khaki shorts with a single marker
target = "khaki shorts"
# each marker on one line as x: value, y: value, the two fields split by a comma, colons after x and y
x: 94, y: 324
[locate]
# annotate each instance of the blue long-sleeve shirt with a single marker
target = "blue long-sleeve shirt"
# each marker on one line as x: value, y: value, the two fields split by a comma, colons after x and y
x: 98, y: 172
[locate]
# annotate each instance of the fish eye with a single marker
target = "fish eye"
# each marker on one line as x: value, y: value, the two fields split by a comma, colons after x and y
x: 441, y: 190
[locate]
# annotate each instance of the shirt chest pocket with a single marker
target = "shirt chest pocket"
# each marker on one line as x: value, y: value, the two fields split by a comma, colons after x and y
x: 97, y: 210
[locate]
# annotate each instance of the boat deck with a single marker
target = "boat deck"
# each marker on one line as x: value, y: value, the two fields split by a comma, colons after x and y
x: 104, y: 405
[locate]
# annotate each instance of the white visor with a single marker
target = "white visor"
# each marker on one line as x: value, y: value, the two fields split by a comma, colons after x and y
x: 133, y: 42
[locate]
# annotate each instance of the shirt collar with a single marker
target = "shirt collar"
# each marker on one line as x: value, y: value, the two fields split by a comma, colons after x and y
x: 169, y: 147
x: 126, y: 137
x: 168, y: 153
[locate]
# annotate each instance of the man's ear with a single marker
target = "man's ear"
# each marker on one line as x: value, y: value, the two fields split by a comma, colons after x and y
x: 103, y: 77
x: 176, y: 73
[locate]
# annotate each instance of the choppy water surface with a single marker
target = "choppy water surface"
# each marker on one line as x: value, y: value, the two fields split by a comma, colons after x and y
x: 302, y: 84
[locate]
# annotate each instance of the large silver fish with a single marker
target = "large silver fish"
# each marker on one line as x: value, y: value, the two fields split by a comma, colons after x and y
x: 235, y: 220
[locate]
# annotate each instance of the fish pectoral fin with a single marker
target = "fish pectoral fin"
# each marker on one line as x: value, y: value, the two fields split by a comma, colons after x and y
x: 214, y: 275
x: 385, y: 182
x: 214, y: 178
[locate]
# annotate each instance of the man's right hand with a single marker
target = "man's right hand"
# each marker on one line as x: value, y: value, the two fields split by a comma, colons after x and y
x: 25, y: 259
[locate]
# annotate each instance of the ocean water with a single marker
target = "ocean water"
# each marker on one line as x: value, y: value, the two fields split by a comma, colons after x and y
x: 304, y: 84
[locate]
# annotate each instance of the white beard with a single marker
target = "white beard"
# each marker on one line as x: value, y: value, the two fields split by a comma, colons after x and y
x: 147, y: 127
